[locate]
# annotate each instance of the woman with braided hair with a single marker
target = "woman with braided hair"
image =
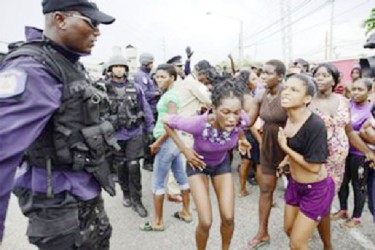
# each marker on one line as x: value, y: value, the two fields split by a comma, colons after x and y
x: 214, y: 135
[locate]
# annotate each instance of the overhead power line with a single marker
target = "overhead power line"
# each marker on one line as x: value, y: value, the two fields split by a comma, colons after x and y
x: 272, y: 25
x: 293, y: 22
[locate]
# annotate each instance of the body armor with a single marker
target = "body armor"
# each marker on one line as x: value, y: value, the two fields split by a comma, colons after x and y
x: 125, y: 105
x: 76, y: 137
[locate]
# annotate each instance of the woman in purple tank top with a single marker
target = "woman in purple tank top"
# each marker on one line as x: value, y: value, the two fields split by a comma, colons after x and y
x: 355, y: 167
x: 335, y: 112
x: 214, y: 135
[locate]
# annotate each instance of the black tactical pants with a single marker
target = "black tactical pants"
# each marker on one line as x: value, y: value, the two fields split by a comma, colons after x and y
x: 128, y: 167
x: 64, y: 222
x: 148, y: 157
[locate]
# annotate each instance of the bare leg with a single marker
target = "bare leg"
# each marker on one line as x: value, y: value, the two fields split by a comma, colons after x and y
x: 324, y: 229
x: 267, y: 185
x: 200, y: 192
x: 185, y: 202
x: 158, y: 206
x: 224, y: 188
x: 302, y: 231
x: 290, y: 215
x: 243, y: 173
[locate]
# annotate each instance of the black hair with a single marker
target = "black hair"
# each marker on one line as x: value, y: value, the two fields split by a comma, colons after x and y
x: 244, y: 76
x: 359, y: 70
x: 243, y: 80
x: 169, y: 68
x: 279, y: 66
x: 308, y: 82
x: 226, y: 89
x: 367, y: 82
x: 332, y: 70
x: 303, y: 62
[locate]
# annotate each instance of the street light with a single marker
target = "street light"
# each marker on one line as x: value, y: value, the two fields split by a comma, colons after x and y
x: 240, y: 38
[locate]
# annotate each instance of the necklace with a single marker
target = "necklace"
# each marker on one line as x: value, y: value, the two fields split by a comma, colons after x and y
x: 215, y: 136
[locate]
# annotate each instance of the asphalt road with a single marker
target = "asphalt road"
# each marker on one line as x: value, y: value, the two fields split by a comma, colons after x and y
x: 179, y: 235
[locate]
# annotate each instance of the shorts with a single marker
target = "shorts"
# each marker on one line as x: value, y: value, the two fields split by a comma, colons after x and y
x: 255, y: 153
x: 313, y: 199
x: 212, y: 171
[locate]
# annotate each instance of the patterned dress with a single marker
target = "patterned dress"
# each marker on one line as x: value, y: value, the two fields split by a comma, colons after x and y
x: 338, y: 142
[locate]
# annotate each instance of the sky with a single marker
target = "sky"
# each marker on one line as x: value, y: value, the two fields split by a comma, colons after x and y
x: 165, y: 27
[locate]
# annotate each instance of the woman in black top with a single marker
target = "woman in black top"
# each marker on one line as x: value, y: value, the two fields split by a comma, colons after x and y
x: 310, y: 189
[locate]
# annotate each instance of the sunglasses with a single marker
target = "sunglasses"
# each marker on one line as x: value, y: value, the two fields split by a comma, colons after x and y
x: 92, y: 23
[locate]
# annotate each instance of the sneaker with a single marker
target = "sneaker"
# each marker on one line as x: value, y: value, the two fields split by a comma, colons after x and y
x: 351, y: 223
x: 126, y: 202
x: 339, y: 215
x: 140, y: 209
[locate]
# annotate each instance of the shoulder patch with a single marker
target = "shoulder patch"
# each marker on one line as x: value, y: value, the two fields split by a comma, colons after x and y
x: 12, y: 83
x: 144, y: 80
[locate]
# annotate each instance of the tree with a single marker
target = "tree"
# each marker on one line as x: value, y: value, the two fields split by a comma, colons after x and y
x: 369, y: 24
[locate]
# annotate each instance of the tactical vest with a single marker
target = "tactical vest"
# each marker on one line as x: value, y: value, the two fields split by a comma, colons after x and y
x: 125, y: 105
x: 75, y: 138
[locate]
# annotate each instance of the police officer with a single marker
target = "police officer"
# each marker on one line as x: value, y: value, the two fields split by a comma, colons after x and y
x: 152, y: 93
x: 50, y: 118
x: 176, y: 61
x: 133, y: 114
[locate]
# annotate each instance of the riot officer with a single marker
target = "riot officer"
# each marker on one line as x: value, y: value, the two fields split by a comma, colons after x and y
x: 133, y: 118
x: 152, y: 93
x: 49, y: 115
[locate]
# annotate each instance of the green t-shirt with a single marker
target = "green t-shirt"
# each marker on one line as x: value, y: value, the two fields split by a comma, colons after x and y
x: 162, y: 107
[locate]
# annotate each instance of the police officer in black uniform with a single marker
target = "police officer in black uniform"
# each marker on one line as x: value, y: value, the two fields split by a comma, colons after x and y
x: 133, y: 117
x: 50, y: 118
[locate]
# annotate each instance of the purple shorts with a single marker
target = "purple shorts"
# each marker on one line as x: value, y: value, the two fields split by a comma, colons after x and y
x: 313, y: 199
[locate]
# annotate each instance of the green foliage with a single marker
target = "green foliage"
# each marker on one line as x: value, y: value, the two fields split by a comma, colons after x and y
x: 369, y: 24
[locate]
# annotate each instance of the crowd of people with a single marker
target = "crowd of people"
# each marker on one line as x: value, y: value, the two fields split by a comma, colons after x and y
x: 69, y: 137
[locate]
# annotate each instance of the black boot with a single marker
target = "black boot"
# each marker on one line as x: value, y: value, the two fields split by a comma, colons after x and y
x: 140, y: 209
x: 148, y: 166
x: 126, y: 202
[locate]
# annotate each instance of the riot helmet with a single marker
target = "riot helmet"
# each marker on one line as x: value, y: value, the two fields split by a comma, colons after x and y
x: 115, y: 61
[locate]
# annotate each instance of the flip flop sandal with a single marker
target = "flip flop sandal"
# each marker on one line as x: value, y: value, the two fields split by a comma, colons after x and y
x: 180, y: 216
x: 147, y: 227
x: 256, y: 244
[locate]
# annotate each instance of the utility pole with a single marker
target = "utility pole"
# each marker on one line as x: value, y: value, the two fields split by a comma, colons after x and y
x: 331, y: 29
x: 289, y: 31
x: 286, y: 31
x: 240, y: 36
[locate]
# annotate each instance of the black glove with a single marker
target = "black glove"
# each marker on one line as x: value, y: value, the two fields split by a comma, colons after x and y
x: 189, y: 52
x: 149, y: 139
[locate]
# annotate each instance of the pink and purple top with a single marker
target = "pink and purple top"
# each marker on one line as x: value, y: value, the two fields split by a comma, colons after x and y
x: 209, y: 142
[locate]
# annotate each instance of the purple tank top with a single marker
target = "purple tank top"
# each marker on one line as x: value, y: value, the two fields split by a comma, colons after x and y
x: 359, y: 114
